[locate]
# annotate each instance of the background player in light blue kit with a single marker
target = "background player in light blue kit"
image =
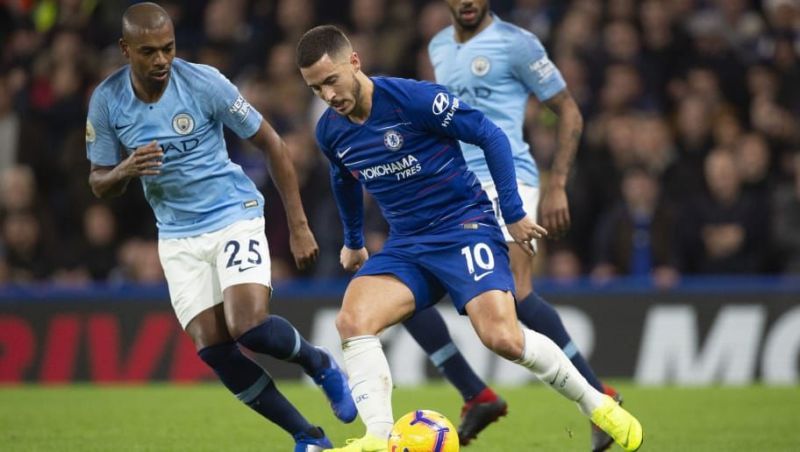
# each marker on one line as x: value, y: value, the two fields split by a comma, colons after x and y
x: 494, y: 66
x: 399, y: 139
x: 161, y: 119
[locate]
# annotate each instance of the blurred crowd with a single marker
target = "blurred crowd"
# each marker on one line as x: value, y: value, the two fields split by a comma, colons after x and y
x: 689, y: 164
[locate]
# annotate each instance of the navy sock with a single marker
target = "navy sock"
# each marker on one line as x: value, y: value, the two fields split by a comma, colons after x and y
x: 538, y: 315
x: 278, y: 338
x: 253, y: 386
x: 428, y: 328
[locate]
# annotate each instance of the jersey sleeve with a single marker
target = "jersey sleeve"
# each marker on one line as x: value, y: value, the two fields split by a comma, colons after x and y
x: 436, y: 110
x: 531, y: 65
x: 102, y: 144
x: 349, y: 198
x: 228, y: 105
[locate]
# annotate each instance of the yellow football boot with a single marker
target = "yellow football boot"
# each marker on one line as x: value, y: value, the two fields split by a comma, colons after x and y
x: 367, y: 443
x: 619, y: 424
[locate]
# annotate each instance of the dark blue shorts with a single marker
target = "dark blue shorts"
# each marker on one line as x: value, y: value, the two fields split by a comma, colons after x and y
x: 464, y: 264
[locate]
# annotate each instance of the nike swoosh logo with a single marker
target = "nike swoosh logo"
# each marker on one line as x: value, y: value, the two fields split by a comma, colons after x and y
x: 122, y: 127
x: 480, y: 277
x: 246, y: 268
x: 343, y: 153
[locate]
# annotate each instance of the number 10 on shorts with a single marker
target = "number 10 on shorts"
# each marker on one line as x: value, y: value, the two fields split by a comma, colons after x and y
x: 481, y: 256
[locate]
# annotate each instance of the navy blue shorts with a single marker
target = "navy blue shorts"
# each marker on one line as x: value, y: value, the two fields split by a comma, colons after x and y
x: 464, y: 264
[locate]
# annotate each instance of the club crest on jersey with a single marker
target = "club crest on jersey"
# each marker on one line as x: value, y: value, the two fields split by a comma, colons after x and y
x: 480, y: 66
x: 392, y: 140
x: 183, y: 124
x: 440, y: 103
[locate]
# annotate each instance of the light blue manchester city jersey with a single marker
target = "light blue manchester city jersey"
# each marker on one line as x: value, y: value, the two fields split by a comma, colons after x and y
x: 495, y: 71
x: 199, y: 189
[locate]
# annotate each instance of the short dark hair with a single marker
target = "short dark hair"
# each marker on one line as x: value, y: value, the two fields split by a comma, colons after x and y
x: 318, y: 41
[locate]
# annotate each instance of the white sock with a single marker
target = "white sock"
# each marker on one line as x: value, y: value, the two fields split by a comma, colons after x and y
x: 550, y: 365
x: 370, y: 383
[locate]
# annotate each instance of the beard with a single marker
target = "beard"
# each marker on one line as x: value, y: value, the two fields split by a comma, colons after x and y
x: 156, y: 84
x: 470, y: 26
x: 149, y: 82
x: 356, y: 95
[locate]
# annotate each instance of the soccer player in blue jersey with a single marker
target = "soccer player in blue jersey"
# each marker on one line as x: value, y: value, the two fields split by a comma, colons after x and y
x: 160, y: 119
x: 399, y: 139
x: 494, y: 66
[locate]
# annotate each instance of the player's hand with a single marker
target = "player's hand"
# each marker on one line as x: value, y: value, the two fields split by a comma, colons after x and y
x: 304, y: 246
x: 351, y: 259
x: 554, y: 210
x: 524, y: 231
x: 144, y: 161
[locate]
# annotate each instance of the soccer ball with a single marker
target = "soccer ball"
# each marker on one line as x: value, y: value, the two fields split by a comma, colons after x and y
x: 423, y: 431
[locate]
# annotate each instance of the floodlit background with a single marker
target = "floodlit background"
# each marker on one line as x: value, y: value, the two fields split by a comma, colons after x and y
x: 692, y: 113
x: 703, y: 95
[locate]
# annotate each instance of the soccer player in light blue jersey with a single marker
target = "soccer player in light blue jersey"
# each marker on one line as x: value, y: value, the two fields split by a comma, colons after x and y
x: 494, y: 66
x: 399, y: 140
x: 160, y: 119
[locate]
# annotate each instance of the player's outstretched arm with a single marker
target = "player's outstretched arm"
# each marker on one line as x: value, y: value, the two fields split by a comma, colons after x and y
x: 301, y: 239
x: 554, y: 206
x: 111, y: 181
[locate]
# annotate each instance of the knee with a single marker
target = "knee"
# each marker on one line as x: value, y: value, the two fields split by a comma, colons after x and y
x: 239, y: 324
x: 506, y: 343
x: 246, y: 306
x: 523, y: 278
x: 349, y: 324
x: 208, y: 330
x: 523, y: 286
x: 523, y: 291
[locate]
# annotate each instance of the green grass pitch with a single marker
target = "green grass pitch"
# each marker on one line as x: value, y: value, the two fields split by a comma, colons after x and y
x: 206, y: 418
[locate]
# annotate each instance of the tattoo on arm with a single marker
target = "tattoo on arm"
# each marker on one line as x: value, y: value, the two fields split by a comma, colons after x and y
x: 570, y: 129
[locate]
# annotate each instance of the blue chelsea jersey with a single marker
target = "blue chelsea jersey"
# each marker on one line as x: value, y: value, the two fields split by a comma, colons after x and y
x: 495, y: 71
x: 407, y: 156
x: 199, y: 189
